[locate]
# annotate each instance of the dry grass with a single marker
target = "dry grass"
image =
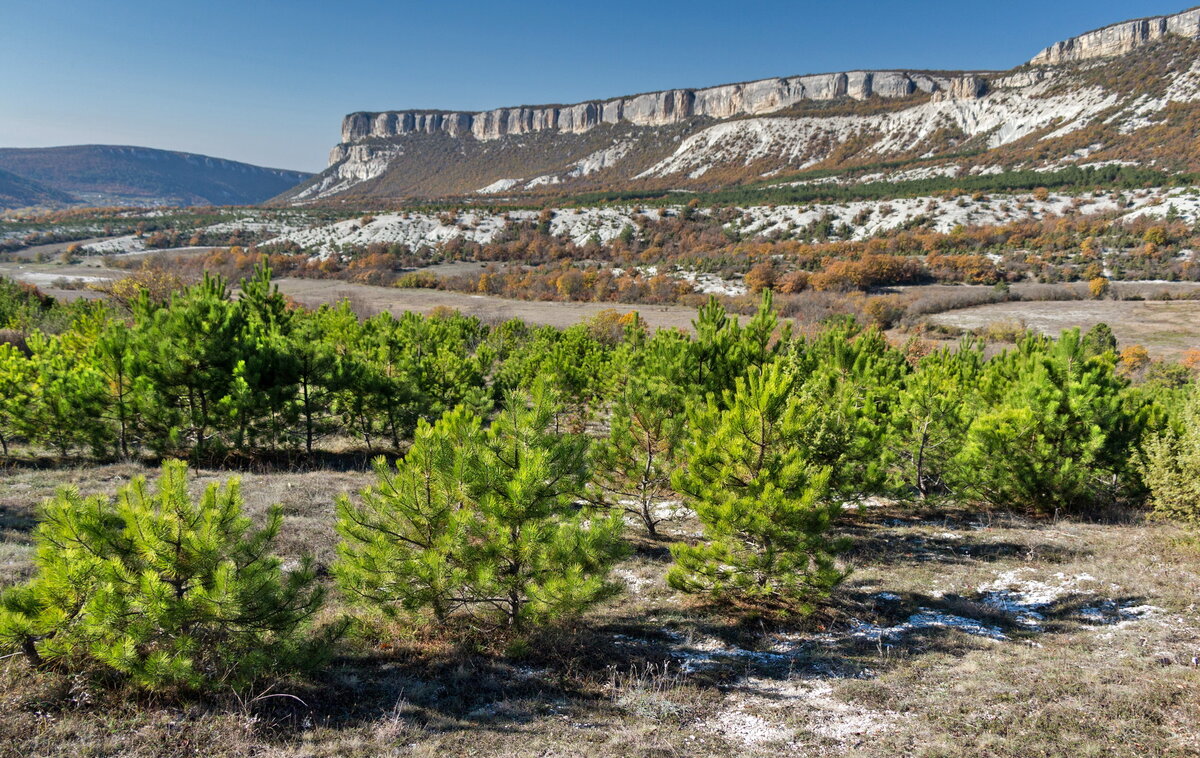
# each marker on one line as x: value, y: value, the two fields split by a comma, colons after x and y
x: 653, y: 673
x: 1164, y: 328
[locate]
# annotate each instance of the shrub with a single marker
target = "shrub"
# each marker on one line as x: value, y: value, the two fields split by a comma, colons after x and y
x: 765, y: 510
x: 1099, y: 340
x: 1172, y: 467
x: 160, y: 591
x: 632, y: 467
x: 402, y: 544
x: 884, y: 311
x: 482, y: 524
x: 1052, y: 431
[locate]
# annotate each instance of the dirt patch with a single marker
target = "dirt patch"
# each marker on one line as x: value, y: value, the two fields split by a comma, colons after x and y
x: 1164, y: 328
x: 370, y: 299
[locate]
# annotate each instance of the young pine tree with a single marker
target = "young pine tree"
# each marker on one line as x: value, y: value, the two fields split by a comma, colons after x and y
x: 533, y: 554
x: 404, y: 543
x: 260, y: 404
x: 159, y: 590
x: 16, y: 378
x: 481, y: 524
x: 66, y: 403
x: 1172, y: 468
x: 115, y: 360
x: 187, y: 350
x: 766, y: 511
x: 850, y: 383
x: 316, y: 364
x: 929, y: 420
x: 632, y: 467
x: 1054, y: 432
x: 724, y: 350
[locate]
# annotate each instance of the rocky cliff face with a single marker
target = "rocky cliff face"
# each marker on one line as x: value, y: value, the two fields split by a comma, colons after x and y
x: 1121, y: 38
x: 1045, y: 115
x: 660, y: 108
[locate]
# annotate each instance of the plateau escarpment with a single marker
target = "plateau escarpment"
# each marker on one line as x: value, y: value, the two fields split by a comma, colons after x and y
x: 1122, y: 38
x: 1075, y: 103
x: 657, y: 108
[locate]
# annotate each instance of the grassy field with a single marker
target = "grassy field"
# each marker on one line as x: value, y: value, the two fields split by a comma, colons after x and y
x: 1163, y: 328
x: 959, y: 633
x: 314, y: 292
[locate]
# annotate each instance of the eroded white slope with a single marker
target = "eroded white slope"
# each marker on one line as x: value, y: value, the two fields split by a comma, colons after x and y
x: 1004, y: 116
x: 861, y: 219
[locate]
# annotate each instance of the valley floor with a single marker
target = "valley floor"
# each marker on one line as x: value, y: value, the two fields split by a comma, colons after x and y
x: 1165, y: 328
x: 959, y: 633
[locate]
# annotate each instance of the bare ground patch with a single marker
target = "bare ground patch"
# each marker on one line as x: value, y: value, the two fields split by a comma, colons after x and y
x: 959, y: 633
x: 1163, y: 327
x: 315, y: 292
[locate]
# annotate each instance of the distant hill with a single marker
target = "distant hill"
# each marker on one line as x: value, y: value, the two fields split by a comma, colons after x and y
x: 113, y: 174
x: 18, y: 192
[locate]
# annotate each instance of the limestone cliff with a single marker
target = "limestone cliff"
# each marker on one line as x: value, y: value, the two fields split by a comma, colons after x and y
x: 1121, y: 38
x: 1049, y: 113
x: 659, y: 108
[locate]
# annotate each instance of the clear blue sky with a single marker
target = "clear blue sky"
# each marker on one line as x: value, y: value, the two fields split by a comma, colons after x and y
x: 267, y: 81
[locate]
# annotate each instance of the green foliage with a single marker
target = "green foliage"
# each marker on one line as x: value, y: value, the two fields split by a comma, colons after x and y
x: 23, y: 308
x: 15, y: 384
x: 1045, y: 427
x: 633, y: 465
x: 1172, y: 466
x: 404, y: 543
x: 765, y: 508
x: 187, y: 350
x: 1052, y: 431
x: 67, y: 397
x: 1099, y: 340
x: 161, y: 591
x: 571, y: 361
x: 850, y: 381
x: 403, y: 369
x: 1071, y: 178
x: 482, y: 524
x: 536, y: 549
x: 724, y: 350
x: 929, y: 420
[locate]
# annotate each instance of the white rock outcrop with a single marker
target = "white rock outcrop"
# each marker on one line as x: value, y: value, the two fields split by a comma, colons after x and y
x: 1121, y: 38
x: 660, y: 108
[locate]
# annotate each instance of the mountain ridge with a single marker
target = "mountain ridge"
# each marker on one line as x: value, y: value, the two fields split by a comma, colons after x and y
x: 1121, y: 37
x: 19, y: 192
x: 696, y: 139
x: 130, y: 174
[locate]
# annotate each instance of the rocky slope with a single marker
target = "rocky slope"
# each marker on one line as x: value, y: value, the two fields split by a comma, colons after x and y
x: 1127, y: 93
x: 859, y: 219
x: 119, y: 175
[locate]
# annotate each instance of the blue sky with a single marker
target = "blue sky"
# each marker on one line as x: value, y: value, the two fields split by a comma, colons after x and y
x: 267, y: 81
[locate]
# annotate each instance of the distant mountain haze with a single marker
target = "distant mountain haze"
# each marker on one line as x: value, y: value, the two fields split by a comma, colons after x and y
x: 19, y: 192
x: 118, y: 175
